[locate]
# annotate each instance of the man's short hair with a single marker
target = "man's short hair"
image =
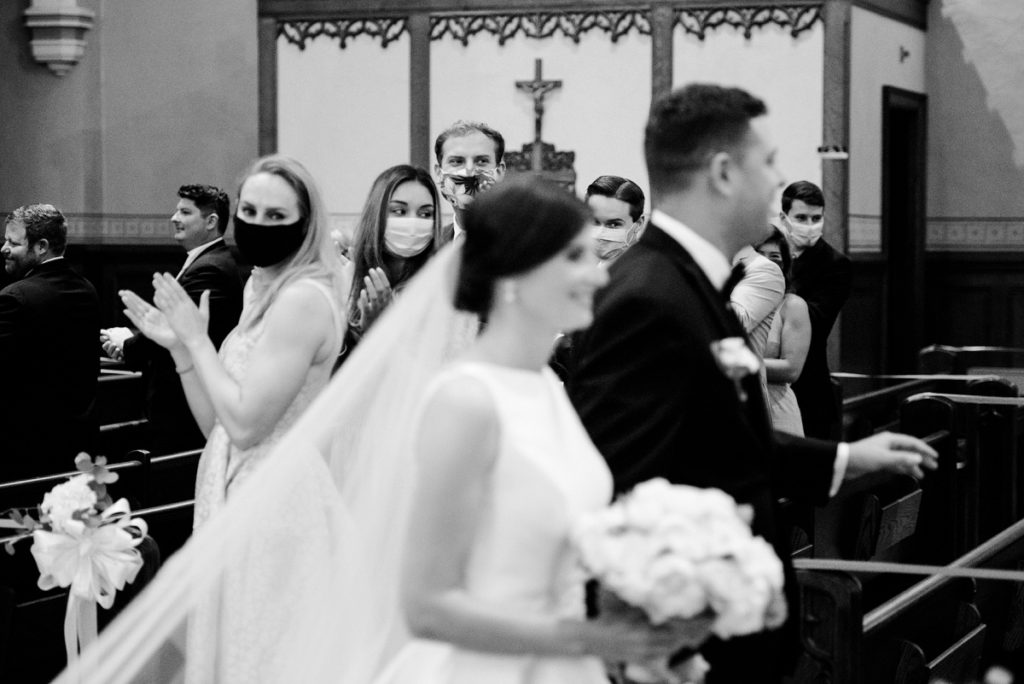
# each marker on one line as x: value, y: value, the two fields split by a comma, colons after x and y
x: 462, y: 128
x: 622, y: 189
x: 42, y: 222
x: 690, y: 125
x: 209, y: 199
x: 805, y: 191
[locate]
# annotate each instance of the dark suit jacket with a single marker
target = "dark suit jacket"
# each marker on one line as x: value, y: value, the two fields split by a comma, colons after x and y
x: 654, y: 400
x: 48, y: 324
x: 171, y: 423
x: 821, y: 276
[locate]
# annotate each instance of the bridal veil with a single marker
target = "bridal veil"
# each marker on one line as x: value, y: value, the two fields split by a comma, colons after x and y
x: 299, y: 573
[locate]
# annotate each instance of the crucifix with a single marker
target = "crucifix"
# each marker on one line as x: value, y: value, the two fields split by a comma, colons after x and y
x: 538, y: 88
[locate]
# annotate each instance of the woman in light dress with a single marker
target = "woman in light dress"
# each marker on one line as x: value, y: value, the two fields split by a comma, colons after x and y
x: 491, y: 589
x: 268, y: 371
x: 788, y: 342
x: 279, y: 357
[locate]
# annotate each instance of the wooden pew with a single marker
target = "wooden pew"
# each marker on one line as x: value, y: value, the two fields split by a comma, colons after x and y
x: 1007, y: 362
x: 939, y: 628
x: 972, y: 496
x: 981, y: 496
x: 120, y: 396
x: 132, y: 483
x: 875, y: 405
x: 117, y: 441
x: 173, y: 477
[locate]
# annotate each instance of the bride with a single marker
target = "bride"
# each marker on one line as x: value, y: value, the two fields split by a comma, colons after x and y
x: 441, y: 552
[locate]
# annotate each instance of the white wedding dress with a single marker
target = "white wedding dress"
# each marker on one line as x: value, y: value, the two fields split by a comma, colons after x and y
x: 323, y: 522
x: 546, y: 475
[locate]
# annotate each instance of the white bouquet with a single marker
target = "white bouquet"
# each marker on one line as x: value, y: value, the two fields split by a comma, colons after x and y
x: 676, y: 551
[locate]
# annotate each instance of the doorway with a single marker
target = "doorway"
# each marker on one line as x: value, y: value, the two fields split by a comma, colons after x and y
x: 904, y: 121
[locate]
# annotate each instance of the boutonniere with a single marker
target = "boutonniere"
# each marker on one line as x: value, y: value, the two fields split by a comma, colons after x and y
x: 736, y: 361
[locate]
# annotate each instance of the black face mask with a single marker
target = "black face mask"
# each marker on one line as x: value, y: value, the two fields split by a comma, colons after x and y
x: 268, y: 245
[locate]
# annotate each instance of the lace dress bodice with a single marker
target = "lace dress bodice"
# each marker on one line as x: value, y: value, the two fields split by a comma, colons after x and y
x: 224, y: 466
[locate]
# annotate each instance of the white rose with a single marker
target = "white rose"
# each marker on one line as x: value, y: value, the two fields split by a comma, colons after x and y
x: 675, y: 590
x: 66, y: 499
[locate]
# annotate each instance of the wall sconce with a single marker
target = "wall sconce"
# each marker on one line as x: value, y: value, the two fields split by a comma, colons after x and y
x: 58, y: 29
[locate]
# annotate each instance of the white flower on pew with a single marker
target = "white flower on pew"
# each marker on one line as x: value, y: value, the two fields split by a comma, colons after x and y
x: 85, y: 542
x: 675, y: 551
x: 94, y: 561
x: 64, y: 501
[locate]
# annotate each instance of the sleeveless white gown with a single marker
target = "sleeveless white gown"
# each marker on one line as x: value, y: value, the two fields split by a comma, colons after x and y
x: 546, y: 475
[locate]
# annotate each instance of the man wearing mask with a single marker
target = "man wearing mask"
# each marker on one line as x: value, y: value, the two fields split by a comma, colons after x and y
x: 821, y: 276
x: 618, y: 207
x: 469, y: 161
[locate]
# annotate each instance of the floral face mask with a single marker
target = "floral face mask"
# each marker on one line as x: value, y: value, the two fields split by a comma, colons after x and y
x: 460, y: 189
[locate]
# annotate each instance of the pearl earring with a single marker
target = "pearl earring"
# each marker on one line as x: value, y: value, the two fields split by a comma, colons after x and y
x: 508, y: 292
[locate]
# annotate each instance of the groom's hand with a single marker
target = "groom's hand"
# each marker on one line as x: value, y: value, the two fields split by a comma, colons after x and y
x: 891, y: 452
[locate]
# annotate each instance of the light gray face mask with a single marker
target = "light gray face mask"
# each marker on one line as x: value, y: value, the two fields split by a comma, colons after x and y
x: 407, y: 236
x: 804, y: 234
x: 611, y: 242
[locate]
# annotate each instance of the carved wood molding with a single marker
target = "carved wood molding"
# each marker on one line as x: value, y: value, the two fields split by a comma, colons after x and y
x: 541, y: 25
x: 797, y: 17
x: 387, y: 29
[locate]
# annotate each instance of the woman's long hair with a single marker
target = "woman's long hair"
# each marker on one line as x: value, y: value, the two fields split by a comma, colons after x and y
x: 368, y: 244
x: 316, y: 258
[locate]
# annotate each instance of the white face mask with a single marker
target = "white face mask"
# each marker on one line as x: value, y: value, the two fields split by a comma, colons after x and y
x: 611, y: 242
x: 618, y: 235
x: 803, y: 235
x: 407, y: 236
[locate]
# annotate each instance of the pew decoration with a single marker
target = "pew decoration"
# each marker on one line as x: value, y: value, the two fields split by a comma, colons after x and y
x: 681, y: 552
x: 82, y: 540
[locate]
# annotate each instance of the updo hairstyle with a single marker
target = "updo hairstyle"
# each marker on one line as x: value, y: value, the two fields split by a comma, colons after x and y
x: 512, y: 228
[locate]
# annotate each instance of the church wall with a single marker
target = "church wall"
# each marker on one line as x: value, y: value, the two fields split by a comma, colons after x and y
x: 165, y: 94
x: 599, y: 111
x: 785, y: 72
x: 877, y: 44
x: 975, y: 198
x: 975, y: 178
x: 50, y: 135
x: 344, y: 113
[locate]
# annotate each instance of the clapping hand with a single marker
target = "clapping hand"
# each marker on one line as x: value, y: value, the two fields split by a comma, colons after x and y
x: 375, y: 297
x: 150, y: 321
x: 183, y: 317
x: 892, y: 452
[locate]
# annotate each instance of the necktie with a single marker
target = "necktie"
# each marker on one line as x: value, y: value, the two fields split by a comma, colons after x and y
x: 730, y: 283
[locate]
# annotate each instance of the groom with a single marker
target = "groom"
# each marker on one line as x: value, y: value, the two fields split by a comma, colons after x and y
x: 657, y: 393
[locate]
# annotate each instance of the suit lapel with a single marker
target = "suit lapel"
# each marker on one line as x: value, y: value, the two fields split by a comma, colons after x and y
x: 724, y: 322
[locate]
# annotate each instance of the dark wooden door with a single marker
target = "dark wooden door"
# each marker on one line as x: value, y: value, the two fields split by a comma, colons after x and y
x: 903, y: 226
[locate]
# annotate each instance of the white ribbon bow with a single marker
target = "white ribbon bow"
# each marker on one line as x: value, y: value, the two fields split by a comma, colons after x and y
x: 95, y: 562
